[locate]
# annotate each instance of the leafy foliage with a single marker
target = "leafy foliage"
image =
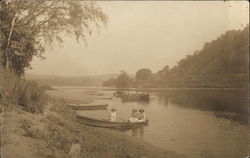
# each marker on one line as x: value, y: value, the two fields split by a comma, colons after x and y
x: 228, y: 54
x: 123, y: 80
x: 110, y: 82
x: 18, y: 91
x: 220, y: 63
x: 163, y: 74
x: 27, y: 27
x: 143, y: 74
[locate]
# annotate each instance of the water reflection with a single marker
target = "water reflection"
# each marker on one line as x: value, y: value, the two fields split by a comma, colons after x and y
x: 195, y: 123
x: 138, y: 132
x: 164, y: 99
x: 233, y: 117
x: 231, y: 105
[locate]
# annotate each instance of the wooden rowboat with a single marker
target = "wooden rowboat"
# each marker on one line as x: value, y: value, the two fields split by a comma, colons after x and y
x: 109, y: 124
x: 88, y: 106
x: 97, y: 98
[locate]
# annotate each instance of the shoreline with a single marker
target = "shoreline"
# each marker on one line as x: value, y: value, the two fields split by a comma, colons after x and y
x: 178, y: 89
x: 28, y: 135
x: 145, y: 89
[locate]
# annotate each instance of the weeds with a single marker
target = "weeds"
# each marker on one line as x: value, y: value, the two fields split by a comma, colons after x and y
x: 15, y: 90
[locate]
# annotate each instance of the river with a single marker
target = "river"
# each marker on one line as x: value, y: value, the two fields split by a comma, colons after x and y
x: 207, y: 123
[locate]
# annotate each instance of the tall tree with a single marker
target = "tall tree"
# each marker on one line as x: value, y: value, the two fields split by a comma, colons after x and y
x: 143, y: 74
x: 28, y: 27
x: 164, y: 72
x: 123, y: 80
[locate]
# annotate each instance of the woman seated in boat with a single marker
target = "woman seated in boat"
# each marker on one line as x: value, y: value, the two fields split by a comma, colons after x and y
x: 141, y: 116
x: 134, y: 116
x: 113, y: 114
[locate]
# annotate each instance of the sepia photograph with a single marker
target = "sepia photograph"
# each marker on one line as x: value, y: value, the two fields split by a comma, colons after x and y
x: 124, y: 79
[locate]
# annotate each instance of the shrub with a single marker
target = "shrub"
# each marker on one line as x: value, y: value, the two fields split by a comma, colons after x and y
x: 7, y: 87
x: 15, y: 90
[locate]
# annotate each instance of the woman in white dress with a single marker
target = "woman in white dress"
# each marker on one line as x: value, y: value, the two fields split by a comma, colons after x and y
x: 141, y: 116
x: 75, y: 150
x: 134, y: 116
x: 113, y: 114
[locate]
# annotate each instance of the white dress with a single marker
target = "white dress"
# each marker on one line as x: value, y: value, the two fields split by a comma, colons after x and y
x: 113, y: 116
x: 133, y: 119
x: 143, y: 117
x: 75, y: 151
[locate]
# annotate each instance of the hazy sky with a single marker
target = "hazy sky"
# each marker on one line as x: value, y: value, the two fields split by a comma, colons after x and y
x: 144, y: 34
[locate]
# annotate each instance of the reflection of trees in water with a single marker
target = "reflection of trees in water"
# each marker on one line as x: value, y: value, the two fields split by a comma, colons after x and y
x: 138, y: 132
x: 234, y: 117
x: 228, y: 104
x: 143, y: 103
x: 164, y: 99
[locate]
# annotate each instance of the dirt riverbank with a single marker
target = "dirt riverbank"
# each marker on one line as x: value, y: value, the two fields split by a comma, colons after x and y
x: 50, y: 135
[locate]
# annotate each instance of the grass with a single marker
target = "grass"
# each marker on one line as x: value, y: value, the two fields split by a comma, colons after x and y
x: 18, y: 91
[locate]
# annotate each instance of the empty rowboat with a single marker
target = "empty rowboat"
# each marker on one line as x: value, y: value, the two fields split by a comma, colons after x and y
x: 102, y: 98
x: 110, y: 124
x: 88, y: 106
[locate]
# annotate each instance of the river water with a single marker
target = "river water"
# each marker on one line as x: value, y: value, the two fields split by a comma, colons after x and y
x: 195, y: 123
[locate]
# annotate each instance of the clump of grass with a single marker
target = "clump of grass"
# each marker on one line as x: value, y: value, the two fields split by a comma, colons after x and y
x: 30, y: 130
x: 7, y: 87
x: 55, y: 119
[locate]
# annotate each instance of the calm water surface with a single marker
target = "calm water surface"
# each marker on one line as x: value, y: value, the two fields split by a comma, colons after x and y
x: 195, y: 123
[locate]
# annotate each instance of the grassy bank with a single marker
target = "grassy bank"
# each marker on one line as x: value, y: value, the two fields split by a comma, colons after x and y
x: 35, y: 125
x: 50, y: 135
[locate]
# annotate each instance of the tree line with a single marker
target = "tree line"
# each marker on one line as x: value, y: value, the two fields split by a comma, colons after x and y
x: 221, y: 63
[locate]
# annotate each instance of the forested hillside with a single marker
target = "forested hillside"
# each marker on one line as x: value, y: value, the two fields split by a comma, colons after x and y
x: 220, y: 63
x: 226, y: 55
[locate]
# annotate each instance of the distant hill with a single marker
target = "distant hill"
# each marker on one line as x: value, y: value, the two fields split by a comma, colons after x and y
x: 222, y: 62
x: 95, y: 80
x: 228, y: 54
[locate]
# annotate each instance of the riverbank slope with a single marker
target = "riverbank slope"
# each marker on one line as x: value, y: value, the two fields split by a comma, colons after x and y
x: 50, y: 135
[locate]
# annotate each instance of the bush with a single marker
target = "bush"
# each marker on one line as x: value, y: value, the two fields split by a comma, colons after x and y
x: 7, y: 87
x: 15, y: 90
